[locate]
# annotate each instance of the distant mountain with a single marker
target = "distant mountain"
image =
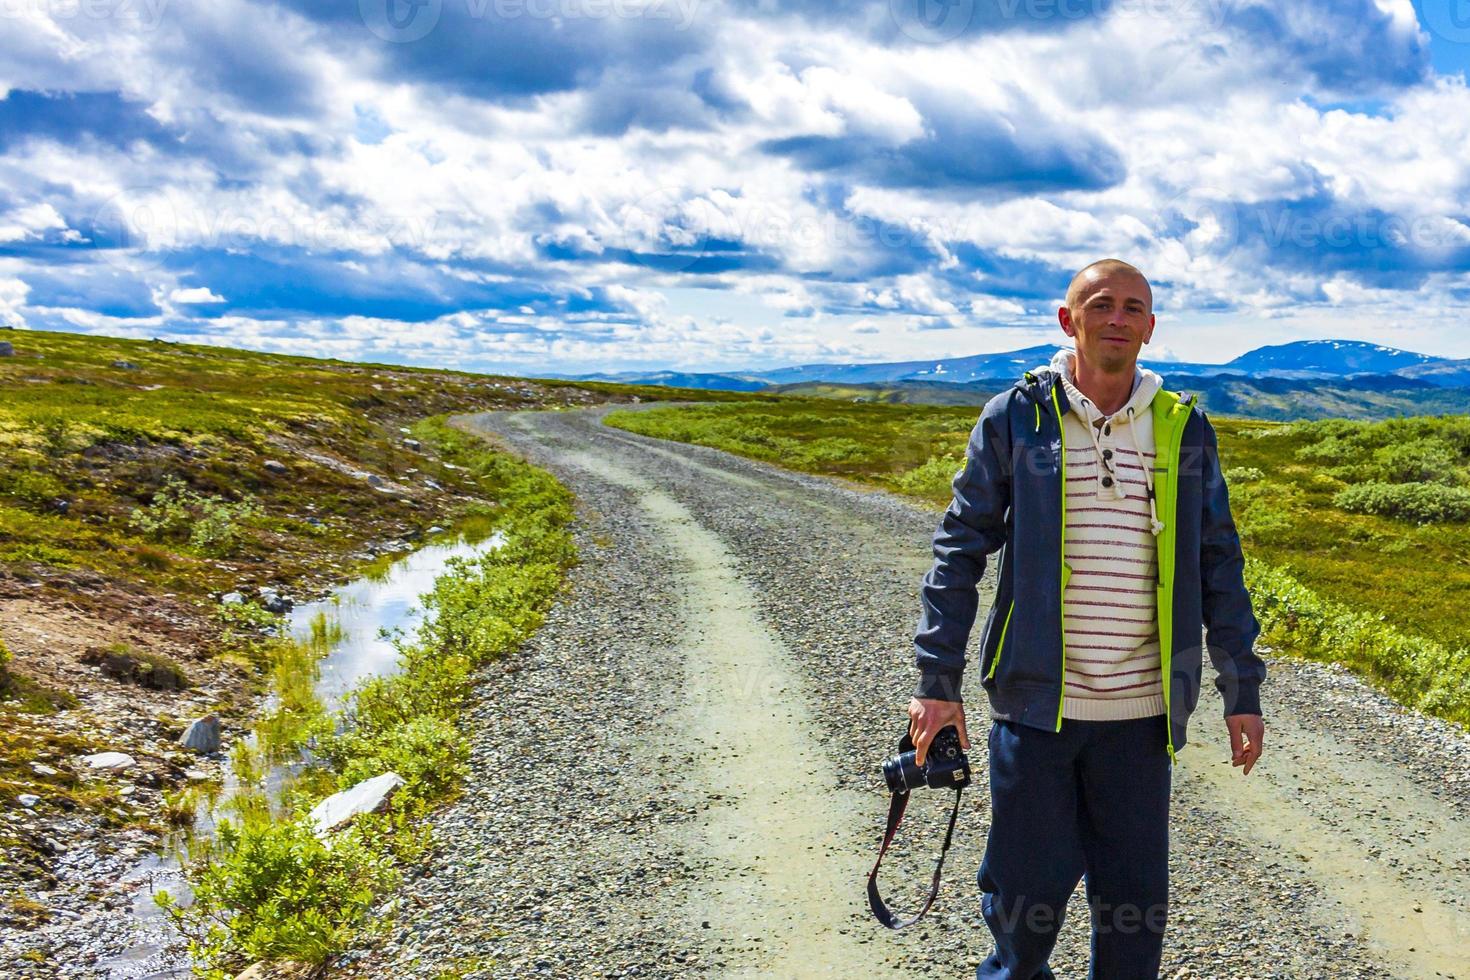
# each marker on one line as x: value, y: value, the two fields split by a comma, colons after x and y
x: 1301, y: 360
x: 1375, y: 396
x: 674, y: 379
x: 949, y: 370
x: 1329, y: 358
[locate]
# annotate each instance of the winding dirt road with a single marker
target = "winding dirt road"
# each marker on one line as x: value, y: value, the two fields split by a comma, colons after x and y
x: 679, y: 774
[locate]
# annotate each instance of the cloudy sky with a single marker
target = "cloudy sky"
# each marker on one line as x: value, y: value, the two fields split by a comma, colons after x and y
x: 579, y: 185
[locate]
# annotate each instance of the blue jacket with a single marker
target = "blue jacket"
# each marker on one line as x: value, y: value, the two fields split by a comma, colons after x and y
x: 1009, y: 498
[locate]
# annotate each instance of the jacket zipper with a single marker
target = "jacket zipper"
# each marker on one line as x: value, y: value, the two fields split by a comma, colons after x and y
x: 1169, y: 505
x: 1002, y: 644
x: 1062, y: 596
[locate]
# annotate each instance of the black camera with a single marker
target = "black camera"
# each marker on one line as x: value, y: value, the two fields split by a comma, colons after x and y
x: 945, y: 766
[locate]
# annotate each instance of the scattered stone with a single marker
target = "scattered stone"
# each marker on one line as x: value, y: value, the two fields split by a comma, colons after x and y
x: 231, y: 599
x: 7, y: 349
x: 28, y: 800
x: 412, y: 443
x: 125, y: 365
x: 436, y: 529
x: 274, y: 602
x: 42, y: 770
x: 368, y: 796
x: 108, y: 760
x: 374, y: 480
x: 432, y: 484
x: 275, y: 466
x: 202, y: 735
x: 196, y: 775
x: 285, y: 970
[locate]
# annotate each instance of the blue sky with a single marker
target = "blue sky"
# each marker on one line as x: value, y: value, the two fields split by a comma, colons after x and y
x: 585, y: 185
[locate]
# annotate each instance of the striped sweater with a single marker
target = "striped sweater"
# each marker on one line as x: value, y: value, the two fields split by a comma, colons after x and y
x: 1109, y: 607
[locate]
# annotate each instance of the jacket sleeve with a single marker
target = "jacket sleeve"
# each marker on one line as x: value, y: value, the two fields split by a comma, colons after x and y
x: 1230, y: 625
x: 973, y: 526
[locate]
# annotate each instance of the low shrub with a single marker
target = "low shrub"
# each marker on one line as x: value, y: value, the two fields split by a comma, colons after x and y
x: 211, y: 525
x: 123, y: 662
x: 1417, y: 671
x: 932, y: 480
x: 1423, y: 503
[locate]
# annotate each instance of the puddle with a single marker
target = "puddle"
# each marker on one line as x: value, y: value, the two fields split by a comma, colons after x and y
x: 358, y: 621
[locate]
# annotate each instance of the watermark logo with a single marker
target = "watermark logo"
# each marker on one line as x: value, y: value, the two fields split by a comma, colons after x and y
x: 400, y: 21
x: 1447, y: 19
x: 1204, y: 221
x: 135, y: 227
x: 142, y: 14
x: 665, y: 230
x: 932, y: 21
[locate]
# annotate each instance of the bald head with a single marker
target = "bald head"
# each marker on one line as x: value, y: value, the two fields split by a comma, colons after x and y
x: 1077, y: 288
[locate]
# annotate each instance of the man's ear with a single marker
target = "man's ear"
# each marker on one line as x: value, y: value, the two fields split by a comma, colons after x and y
x: 1064, y: 317
x: 1150, y: 335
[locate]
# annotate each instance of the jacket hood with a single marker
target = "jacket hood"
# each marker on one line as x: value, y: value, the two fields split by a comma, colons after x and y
x: 1146, y: 384
x: 1037, y: 383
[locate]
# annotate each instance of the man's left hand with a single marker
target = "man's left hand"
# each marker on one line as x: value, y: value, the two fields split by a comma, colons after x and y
x: 1246, y: 732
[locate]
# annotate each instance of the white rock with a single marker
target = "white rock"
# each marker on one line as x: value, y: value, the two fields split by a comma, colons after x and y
x: 42, y: 770
x: 108, y: 760
x: 368, y: 796
x: 28, y: 800
x: 202, y: 735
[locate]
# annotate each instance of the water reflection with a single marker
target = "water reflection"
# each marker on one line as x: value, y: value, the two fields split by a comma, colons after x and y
x: 350, y: 636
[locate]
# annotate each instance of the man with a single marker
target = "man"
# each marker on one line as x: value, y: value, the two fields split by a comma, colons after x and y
x: 1102, y: 492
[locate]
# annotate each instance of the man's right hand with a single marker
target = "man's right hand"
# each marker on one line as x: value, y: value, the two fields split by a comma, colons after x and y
x: 927, y: 716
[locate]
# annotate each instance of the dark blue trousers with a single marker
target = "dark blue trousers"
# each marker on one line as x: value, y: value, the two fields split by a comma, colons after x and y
x: 1090, y: 800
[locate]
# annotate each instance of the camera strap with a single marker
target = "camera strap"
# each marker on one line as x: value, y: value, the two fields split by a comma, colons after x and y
x: 896, y: 805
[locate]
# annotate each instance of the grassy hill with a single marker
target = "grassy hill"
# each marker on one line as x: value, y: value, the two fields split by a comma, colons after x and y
x: 1355, y: 532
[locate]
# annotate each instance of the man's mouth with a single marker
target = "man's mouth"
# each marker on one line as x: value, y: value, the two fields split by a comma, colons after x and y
x: 1115, y: 340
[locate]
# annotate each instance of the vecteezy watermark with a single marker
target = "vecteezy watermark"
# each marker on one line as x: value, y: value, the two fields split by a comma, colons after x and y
x: 1208, y: 224
x: 671, y: 230
x: 403, y: 21
x: 935, y: 21
x: 140, y: 226
x: 144, y: 14
x: 932, y: 21
x: 1447, y: 19
x: 400, y: 21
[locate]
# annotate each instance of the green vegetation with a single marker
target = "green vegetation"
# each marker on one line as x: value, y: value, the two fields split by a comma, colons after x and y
x: 1357, y: 531
x: 124, y: 662
x: 210, y: 524
x: 152, y: 472
x: 913, y: 449
x: 1418, y: 672
x: 267, y: 887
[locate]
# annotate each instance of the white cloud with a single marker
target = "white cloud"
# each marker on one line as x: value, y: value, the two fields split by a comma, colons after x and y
x: 1214, y: 128
x: 195, y: 295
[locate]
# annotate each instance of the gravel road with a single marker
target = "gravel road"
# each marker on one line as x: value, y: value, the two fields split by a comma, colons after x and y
x: 679, y: 775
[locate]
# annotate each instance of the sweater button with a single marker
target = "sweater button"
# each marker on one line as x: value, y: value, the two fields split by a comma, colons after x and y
x: 1107, y: 430
x: 1107, y: 454
x: 1107, y: 481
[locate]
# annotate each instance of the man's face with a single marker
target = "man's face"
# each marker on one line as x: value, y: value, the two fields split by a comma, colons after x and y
x: 1111, y: 320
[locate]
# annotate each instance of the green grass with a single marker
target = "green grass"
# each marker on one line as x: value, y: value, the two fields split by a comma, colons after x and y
x: 1381, y: 593
x: 154, y: 474
x: 266, y: 887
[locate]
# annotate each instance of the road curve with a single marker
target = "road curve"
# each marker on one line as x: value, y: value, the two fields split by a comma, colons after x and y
x: 678, y: 775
